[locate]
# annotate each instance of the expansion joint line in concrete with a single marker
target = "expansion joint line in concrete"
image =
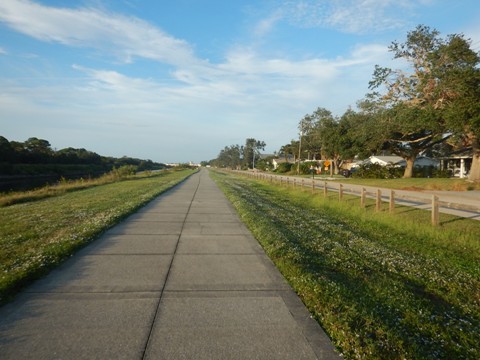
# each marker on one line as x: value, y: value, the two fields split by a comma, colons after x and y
x: 157, y: 309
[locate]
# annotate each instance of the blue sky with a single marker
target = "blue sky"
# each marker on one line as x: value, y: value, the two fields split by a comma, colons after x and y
x: 177, y: 80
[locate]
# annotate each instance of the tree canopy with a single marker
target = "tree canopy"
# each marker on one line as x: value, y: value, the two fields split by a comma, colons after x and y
x: 435, y: 98
x: 237, y: 157
x: 431, y: 99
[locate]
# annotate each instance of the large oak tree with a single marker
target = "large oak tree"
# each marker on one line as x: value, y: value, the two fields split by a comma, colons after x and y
x: 434, y: 98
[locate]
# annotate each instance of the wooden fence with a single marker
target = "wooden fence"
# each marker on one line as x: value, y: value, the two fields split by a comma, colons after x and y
x: 391, y: 197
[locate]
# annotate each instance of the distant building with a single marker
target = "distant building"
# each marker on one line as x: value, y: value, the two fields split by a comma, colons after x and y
x: 459, y: 163
x: 384, y: 160
x: 420, y: 161
x: 280, y: 160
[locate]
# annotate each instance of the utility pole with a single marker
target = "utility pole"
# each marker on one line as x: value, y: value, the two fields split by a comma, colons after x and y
x: 301, y: 126
x: 253, y: 164
x: 299, y: 152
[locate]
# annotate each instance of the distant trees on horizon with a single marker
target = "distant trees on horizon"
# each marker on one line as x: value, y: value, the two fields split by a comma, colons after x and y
x: 35, y: 155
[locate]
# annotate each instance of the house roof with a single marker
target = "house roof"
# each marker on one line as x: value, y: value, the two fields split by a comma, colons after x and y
x: 459, y: 154
x: 374, y: 159
x: 397, y: 160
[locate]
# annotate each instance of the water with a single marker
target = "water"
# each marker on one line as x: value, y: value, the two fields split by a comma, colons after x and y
x: 8, y: 184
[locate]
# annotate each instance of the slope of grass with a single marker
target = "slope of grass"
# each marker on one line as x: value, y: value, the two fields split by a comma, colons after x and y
x: 382, y: 287
x: 37, y: 235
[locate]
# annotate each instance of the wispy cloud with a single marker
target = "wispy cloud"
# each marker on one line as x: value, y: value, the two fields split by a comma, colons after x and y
x: 125, y: 37
x: 239, y: 90
x: 130, y: 37
x: 350, y: 16
x: 3, y: 51
x: 265, y: 25
x: 245, y: 77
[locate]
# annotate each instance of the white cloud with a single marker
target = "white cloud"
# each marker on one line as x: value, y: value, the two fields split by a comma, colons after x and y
x: 248, y: 92
x: 126, y: 37
x: 3, y: 51
x: 264, y: 26
x: 351, y: 16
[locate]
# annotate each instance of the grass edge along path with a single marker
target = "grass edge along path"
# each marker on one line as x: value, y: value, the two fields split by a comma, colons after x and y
x: 37, y: 236
x: 375, y: 299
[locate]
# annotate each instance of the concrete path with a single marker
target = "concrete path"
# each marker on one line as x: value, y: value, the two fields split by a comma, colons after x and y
x: 180, y: 279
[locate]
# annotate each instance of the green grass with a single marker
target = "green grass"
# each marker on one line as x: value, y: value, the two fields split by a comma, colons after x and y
x: 416, y: 184
x: 38, y: 234
x: 382, y: 286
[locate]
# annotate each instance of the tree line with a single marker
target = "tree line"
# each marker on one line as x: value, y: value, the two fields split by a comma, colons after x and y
x: 429, y: 106
x: 240, y: 156
x: 36, y: 156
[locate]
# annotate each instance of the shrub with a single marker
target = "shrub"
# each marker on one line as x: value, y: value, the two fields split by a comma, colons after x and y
x: 305, y: 166
x: 124, y: 171
x: 377, y: 171
x: 445, y: 173
x: 284, y: 167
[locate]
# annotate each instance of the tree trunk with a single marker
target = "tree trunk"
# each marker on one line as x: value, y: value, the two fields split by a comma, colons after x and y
x: 409, y: 168
x: 336, y: 165
x: 474, y: 174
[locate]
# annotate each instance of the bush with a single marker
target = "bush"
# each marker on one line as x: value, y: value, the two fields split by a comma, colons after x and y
x: 124, y: 171
x: 377, y: 171
x: 305, y: 167
x: 445, y: 173
x: 284, y: 167
x: 428, y: 172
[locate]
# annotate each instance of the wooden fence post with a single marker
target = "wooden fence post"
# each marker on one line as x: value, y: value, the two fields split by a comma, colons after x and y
x: 378, y: 205
x: 340, y: 192
x: 325, y: 189
x: 435, y: 211
x: 392, y: 201
x: 313, y: 186
x: 362, y: 197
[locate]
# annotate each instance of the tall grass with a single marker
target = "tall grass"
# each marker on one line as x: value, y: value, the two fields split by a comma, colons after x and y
x: 382, y: 287
x: 37, y: 235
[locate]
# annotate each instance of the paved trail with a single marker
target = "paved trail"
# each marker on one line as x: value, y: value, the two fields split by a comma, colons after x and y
x: 180, y: 279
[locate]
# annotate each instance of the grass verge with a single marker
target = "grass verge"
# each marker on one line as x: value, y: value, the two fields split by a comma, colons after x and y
x: 419, y: 184
x: 36, y: 236
x: 382, y: 287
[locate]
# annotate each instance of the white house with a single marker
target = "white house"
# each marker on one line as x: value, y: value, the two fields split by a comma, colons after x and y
x: 384, y: 160
x: 421, y: 161
x: 276, y: 162
x: 459, y: 163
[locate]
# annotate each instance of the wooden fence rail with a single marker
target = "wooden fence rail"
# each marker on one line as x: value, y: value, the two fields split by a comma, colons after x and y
x: 342, y: 189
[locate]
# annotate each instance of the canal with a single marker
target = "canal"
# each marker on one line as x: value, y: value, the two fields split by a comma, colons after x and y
x: 25, y: 183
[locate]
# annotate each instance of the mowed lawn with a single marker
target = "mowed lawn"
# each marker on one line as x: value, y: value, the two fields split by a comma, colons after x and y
x: 37, y: 235
x: 443, y: 184
x: 382, y: 286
